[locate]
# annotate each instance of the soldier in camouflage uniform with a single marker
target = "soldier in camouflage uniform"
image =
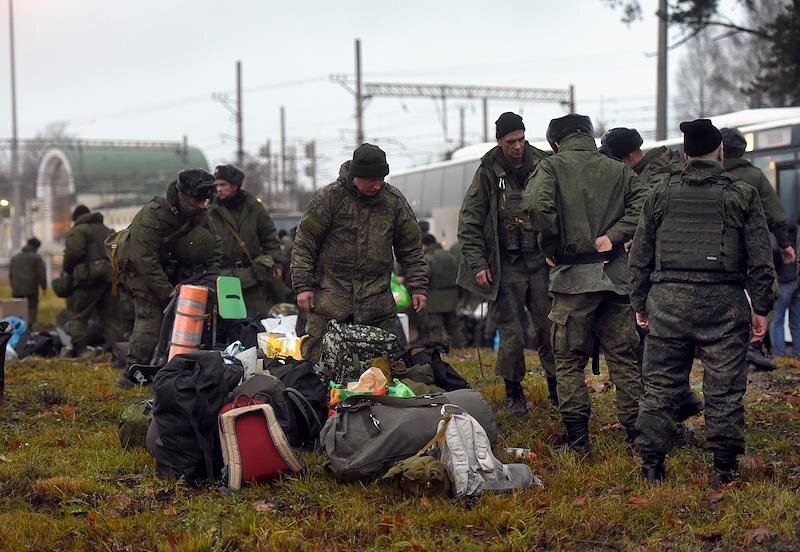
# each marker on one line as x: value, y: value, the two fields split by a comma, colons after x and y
x: 502, y: 260
x: 734, y: 144
x: 625, y: 144
x: 585, y: 207
x: 442, y: 319
x: 85, y: 259
x: 27, y: 274
x: 172, y: 241
x: 702, y: 238
x: 250, y: 247
x: 345, y: 246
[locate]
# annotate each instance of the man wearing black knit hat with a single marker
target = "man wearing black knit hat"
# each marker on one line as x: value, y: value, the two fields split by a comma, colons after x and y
x: 502, y: 262
x: 86, y: 261
x: 251, y: 250
x: 585, y: 207
x: 26, y: 273
x: 344, y: 252
x: 625, y: 144
x: 701, y: 241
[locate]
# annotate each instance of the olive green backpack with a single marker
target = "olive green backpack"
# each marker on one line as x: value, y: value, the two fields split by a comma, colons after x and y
x: 118, y: 252
x: 133, y: 423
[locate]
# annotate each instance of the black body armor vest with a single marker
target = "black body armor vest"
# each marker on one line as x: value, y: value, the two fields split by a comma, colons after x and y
x: 693, y: 236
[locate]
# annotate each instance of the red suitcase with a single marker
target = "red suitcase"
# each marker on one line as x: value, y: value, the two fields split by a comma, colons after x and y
x: 254, y: 446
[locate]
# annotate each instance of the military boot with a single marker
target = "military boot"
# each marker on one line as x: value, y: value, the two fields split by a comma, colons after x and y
x: 630, y: 434
x: 552, y: 391
x: 691, y: 405
x: 515, y: 398
x: 576, y: 438
x: 653, y: 468
x: 725, y: 465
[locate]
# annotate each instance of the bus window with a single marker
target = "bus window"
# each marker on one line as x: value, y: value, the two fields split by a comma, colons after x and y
x: 767, y: 164
x: 789, y: 189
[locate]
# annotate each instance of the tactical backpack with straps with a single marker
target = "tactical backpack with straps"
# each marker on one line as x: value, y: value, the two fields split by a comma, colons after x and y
x: 96, y: 269
x: 461, y: 449
x: 297, y: 417
x: 301, y: 376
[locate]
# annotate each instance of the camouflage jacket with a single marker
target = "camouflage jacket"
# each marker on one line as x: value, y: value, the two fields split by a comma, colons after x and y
x: 478, y: 231
x: 742, y: 169
x: 576, y: 196
x: 345, y: 247
x: 658, y: 161
x: 26, y: 272
x: 84, y: 241
x: 250, y: 219
x: 153, y: 233
x: 442, y: 272
x: 742, y: 211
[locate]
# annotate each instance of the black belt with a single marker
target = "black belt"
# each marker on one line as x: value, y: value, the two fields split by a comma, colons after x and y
x: 591, y: 257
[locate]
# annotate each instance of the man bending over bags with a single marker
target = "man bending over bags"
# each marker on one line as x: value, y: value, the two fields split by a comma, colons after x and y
x: 346, y: 243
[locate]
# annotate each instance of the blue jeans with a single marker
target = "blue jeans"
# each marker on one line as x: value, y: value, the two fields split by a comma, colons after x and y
x: 789, y: 299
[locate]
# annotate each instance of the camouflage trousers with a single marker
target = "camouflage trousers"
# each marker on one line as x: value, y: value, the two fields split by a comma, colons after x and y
x: 33, y: 307
x: 146, y: 328
x: 516, y: 293
x: 316, y: 326
x: 580, y: 319
x: 714, y: 320
x: 85, y: 300
x: 445, y: 327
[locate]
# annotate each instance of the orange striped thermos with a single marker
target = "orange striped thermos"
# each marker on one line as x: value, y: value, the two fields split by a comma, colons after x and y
x: 190, y: 315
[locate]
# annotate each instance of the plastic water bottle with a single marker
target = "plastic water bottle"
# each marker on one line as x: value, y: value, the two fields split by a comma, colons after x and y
x: 496, y: 341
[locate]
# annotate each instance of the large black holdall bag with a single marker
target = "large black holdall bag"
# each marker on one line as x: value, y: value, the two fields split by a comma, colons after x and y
x: 369, y: 433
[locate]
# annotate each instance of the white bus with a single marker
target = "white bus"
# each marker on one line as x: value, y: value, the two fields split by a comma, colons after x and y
x: 436, y: 191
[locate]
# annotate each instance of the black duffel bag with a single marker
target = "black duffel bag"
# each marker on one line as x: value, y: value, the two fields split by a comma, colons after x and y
x: 370, y: 433
x: 189, y: 393
x: 444, y: 375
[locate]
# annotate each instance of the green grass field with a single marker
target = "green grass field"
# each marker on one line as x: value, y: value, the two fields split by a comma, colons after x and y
x: 65, y: 483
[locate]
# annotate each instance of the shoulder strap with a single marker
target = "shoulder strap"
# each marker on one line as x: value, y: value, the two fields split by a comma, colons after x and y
x: 239, y: 239
x: 312, y: 421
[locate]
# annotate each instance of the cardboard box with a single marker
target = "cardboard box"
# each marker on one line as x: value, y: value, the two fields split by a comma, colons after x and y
x: 14, y: 307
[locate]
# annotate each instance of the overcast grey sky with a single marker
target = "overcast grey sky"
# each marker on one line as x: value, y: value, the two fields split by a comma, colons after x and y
x: 146, y: 69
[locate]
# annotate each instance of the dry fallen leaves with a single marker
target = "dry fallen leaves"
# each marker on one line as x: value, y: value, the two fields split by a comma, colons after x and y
x: 581, y: 501
x: 69, y: 411
x: 758, y: 535
x: 262, y: 506
x: 638, y: 501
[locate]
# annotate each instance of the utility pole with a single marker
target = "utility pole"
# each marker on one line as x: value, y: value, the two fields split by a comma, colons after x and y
x: 572, y: 98
x: 16, y: 199
x: 661, y: 78
x: 311, y: 168
x: 461, y: 126
x: 239, y: 133
x: 485, y: 119
x: 283, y: 148
x: 236, y: 113
x: 359, y: 98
